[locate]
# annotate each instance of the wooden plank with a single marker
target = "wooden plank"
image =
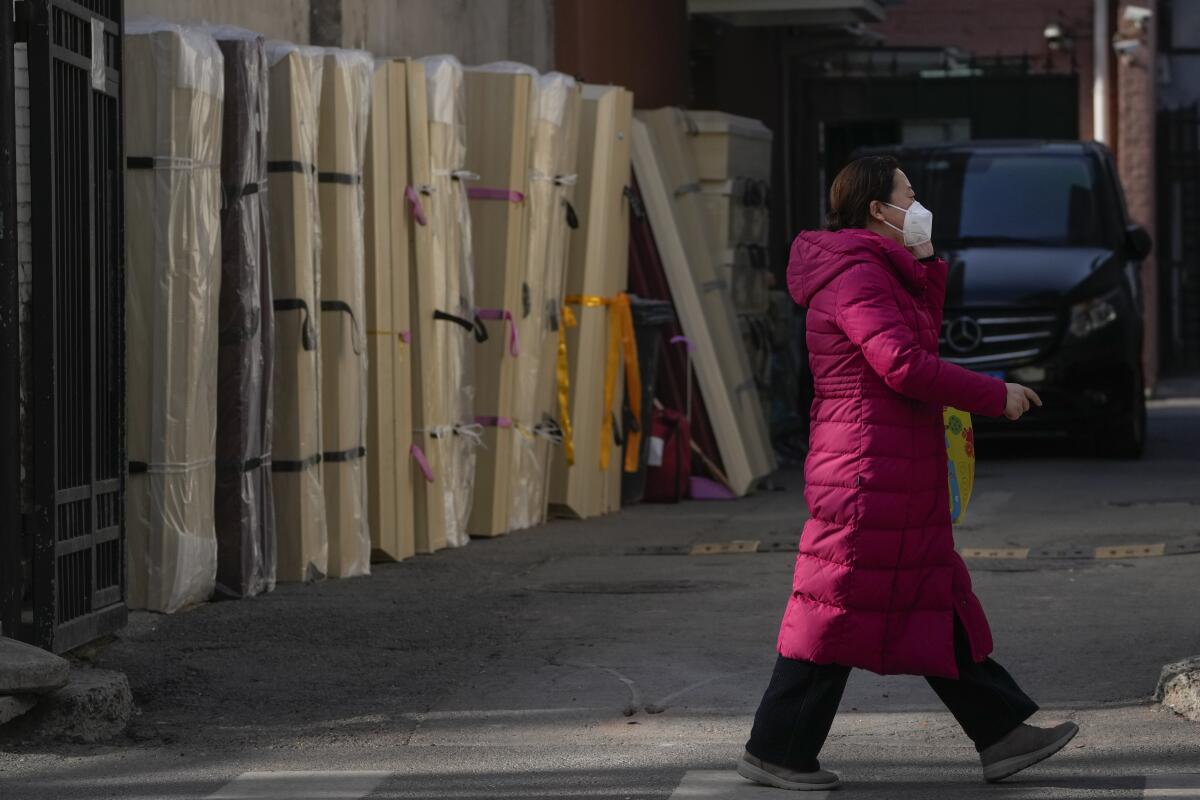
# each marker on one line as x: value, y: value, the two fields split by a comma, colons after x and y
x: 498, y: 113
x: 428, y: 369
x: 173, y: 248
x: 553, y: 164
x: 596, y: 269
x: 344, y: 115
x: 666, y: 169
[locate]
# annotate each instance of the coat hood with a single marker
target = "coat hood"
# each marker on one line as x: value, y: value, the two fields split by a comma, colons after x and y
x: 820, y: 256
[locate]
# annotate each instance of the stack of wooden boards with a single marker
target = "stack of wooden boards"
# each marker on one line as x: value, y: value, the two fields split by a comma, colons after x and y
x: 244, y: 503
x: 174, y: 99
x: 668, y: 176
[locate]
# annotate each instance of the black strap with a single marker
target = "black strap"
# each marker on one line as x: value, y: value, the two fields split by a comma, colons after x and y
x: 479, y: 329
x: 618, y: 436
x: 526, y: 300
x: 138, y: 467
x: 339, y: 177
x: 344, y: 307
x: 249, y: 465
x: 341, y: 456
x: 139, y: 162
x: 291, y: 166
x: 572, y: 217
x: 296, y: 466
x: 308, y: 335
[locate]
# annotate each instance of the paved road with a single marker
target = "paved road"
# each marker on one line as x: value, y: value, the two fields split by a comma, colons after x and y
x: 555, y: 663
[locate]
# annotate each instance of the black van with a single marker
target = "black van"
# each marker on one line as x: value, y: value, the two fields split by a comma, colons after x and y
x: 1044, y: 284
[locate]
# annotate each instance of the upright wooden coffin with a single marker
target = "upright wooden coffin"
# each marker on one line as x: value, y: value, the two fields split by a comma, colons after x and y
x: 665, y: 164
x: 446, y: 296
x: 174, y: 94
x: 498, y: 107
x: 296, y: 447
x: 431, y: 373
x: 245, y: 512
x: 536, y: 409
x: 727, y: 146
x: 341, y: 147
x: 596, y: 274
x: 389, y: 376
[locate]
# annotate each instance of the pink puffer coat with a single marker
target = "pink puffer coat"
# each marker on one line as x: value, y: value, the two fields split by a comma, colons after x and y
x: 877, y: 579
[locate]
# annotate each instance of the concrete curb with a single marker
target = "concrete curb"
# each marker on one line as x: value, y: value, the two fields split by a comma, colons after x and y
x: 25, y: 669
x: 94, y: 706
x: 1179, y: 688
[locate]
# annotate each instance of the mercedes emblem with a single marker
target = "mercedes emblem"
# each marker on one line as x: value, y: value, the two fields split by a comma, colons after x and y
x: 963, y: 334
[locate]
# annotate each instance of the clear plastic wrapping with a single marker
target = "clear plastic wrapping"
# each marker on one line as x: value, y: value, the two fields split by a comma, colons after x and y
x: 245, y: 515
x: 554, y: 151
x: 452, y: 271
x: 174, y: 96
x: 341, y: 147
x: 295, y: 247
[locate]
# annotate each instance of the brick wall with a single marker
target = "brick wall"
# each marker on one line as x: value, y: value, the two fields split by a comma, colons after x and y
x: 989, y: 28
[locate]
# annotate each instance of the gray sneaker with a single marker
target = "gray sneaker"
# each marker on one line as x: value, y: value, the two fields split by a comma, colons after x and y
x: 759, y: 771
x: 1024, y: 747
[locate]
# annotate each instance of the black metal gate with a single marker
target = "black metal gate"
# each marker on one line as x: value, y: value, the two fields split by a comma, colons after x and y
x: 1179, y: 236
x: 77, y: 574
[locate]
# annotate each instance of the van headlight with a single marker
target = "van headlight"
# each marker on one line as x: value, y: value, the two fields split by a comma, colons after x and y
x: 1092, y: 315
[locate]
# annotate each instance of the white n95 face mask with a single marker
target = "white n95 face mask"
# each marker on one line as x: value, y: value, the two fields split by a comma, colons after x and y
x: 918, y: 224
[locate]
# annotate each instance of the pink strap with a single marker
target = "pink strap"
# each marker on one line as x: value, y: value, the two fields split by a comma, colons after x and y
x: 422, y: 462
x: 684, y: 340
x: 406, y: 336
x: 414, y: 205
x: 484, y: 193
x: 494, y: 422
x: 514, y: 338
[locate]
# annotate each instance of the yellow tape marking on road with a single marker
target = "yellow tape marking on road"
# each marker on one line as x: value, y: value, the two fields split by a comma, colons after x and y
x: 724, y: 548
x: 1132, y: 551
x: 995, y: 552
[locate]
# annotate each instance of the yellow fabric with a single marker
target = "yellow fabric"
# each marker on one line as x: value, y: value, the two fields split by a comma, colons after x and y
x: 620, y: 338
x: 564, y: 385
x: 960, y: 455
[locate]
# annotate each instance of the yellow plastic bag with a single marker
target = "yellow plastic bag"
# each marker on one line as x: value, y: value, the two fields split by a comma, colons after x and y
x: 960, y: 457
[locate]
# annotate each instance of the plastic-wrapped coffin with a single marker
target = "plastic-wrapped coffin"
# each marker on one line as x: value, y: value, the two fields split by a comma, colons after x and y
x: 727, y: 146
x: 389, y: 377
x: 444, y: 304
x: 341, y: 146
x: 430, y: 373
x: 536, y: 411
x: 596, y: 276
x: 498, y: 105
x: 174, y: 90
x: 665, y: 167
x: 245, y: 513
x: 295, y: 244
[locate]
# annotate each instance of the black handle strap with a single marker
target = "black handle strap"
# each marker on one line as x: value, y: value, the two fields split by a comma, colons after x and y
x: 572, y: 217
x: 308, y: 336
x: 344, y: 307
x: 476, y: 326
x: 342, y: 456
x: 296, y: 466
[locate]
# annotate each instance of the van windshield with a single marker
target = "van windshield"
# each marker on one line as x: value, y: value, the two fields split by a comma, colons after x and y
x: 980, y: 198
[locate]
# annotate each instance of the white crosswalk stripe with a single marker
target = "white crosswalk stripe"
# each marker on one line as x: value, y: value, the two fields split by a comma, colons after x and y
x: 300, y: 786
x: 1174, y: 786
x: 705, y: 784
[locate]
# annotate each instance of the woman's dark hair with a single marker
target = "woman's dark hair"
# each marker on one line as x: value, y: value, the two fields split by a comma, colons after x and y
x: 860, y: 182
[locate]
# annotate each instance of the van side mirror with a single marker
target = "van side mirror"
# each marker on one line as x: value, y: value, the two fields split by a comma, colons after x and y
x: 1139, y: 241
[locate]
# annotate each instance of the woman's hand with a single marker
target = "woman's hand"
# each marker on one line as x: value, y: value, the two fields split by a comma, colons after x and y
x: 922, y: 250
x: 1019, y: 398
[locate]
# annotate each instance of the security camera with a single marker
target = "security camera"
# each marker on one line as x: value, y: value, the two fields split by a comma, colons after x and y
x: 1056, y: 37
x: 1139, y: 15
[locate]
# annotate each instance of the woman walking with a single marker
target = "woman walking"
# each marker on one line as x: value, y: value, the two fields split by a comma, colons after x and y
x: 878, y: 584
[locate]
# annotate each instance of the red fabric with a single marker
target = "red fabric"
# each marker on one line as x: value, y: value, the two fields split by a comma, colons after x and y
x: 877, y: 579
x: 668, y: 482
x: 648, y: 279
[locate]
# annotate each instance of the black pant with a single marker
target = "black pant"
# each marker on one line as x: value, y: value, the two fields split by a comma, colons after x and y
x: 798, y: 707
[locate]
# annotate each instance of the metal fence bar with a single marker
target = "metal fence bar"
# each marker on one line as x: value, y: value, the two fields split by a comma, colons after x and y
x: 10, y: 411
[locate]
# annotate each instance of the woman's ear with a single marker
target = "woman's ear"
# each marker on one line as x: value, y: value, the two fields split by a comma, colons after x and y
x: 874, y: 211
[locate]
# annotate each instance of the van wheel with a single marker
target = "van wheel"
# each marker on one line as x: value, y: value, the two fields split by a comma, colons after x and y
x: 1126, y: 436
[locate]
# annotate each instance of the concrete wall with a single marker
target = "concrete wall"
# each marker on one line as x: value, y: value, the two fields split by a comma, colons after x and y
x: 476, y: 31
x: 275, y: 19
